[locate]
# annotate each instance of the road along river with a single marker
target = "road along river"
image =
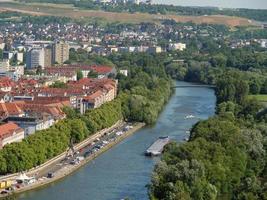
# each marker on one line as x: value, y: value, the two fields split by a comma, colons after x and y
x: 124, y: 171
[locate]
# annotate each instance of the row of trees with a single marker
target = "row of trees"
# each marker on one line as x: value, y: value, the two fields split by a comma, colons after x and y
x: 209, y: 71
x: 9, y: 14
x: 46, y: 144
x: 221, y: 161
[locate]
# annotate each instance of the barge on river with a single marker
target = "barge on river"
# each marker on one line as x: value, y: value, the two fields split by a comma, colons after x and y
x: 157, y: 147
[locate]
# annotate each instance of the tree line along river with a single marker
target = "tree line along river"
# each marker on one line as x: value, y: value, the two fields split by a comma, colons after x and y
x: 124, y: 171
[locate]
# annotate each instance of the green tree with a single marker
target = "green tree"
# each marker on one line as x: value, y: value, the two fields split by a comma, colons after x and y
x: 92, y: 74
x: 254, y: 87
x: 264, y: 87
x: 58, y: 84
x: 79, y: 75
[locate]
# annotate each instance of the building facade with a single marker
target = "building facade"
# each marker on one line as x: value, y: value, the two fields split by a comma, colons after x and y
x: 10, y: 132
x: 60, y: 52
x: 35, y: 57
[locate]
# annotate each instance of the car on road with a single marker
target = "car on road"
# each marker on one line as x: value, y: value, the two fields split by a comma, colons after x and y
x: 50, y: 175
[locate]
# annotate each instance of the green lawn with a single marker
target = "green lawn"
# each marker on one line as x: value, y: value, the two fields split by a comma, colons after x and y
x: 260, y: 98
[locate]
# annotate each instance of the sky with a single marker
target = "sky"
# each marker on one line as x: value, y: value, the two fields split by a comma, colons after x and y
x: 254, y: 4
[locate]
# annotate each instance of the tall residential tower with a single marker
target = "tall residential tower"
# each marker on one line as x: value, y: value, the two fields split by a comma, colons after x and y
x: 60, y: 52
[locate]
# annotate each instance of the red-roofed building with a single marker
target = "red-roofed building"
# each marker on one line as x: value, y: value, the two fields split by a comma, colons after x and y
x: 94, y: 100
x: 71, y: 70
x: 102, y: 70
x: 5, y: 97
x: 6, y: 84
x: 9, y: 133
x: 10, y: 110
x: 34, y: 109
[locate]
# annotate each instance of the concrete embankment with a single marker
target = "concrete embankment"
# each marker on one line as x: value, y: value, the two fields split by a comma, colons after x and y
x: 62, y: 155
x: 69, y: 169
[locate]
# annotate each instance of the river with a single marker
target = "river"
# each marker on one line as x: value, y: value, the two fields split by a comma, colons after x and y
x: 124, y: 171
x: 255, y: 4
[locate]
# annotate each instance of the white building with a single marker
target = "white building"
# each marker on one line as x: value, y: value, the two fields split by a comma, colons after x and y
x: 35, y: 57
x: 263, y: 43
x: 19, y: 57
x: 4, y: 65
x: 8, y: 55
x: 177, y: 46
x: 2, y: 45
x: 124, y: 72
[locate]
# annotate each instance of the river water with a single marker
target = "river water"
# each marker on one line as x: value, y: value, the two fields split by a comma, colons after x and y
x: 124, y: 171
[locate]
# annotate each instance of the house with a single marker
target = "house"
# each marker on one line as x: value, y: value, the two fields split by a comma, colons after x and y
x: 32, y: 124
x: 176, y: 46
x: 6, y: 84
x: 103, y: 71
x: 35, y: 110
x: 2, y: 44
x: 92, y: 101
x: 155, y: 49
x: 71, y: 71
x: 124, y: 72
x: 105, y: 90
x: 5, y: 97
x: 10, y: 132
x: 10, y: 110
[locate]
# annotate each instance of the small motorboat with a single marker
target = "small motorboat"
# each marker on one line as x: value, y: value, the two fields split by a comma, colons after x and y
x: 189, y: 117
x: 186, y: 139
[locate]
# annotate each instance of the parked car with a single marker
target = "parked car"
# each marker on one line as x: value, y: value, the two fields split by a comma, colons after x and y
x: 50, y: 175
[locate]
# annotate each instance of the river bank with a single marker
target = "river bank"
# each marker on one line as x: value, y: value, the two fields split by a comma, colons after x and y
x: 66, y: 170
x: 124, y: 171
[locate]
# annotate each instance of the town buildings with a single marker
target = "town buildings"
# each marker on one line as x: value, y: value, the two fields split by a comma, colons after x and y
x: 29, y: 104
x: 10, y: 132
x: 177, y: 46
x: 44, y: 54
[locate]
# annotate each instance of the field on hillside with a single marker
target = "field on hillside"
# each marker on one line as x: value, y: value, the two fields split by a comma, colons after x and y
x: 260, y: 98
x: 70, y: 11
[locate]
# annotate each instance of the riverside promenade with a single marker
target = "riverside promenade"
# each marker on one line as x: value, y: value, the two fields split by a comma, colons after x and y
x: 68, y: 169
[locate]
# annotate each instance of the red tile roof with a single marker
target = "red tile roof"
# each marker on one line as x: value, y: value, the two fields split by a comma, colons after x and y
x: 8, y: 129
x: 71, y: 69
x: 6, y: 82
x: 32, y: 108
x: 94, y: 96
x: 7, y: 109
x: 102, y: 69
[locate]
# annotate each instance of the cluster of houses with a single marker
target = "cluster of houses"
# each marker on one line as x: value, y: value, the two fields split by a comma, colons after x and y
x: 29, y: 105
x: 123, y: 1
x: 247, y: 42
x: 32, y: 43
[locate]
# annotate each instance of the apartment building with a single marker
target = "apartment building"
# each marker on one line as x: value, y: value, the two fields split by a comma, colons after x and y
x: 47, y: 57
x: 60, y: 52
x: 35, y: 57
